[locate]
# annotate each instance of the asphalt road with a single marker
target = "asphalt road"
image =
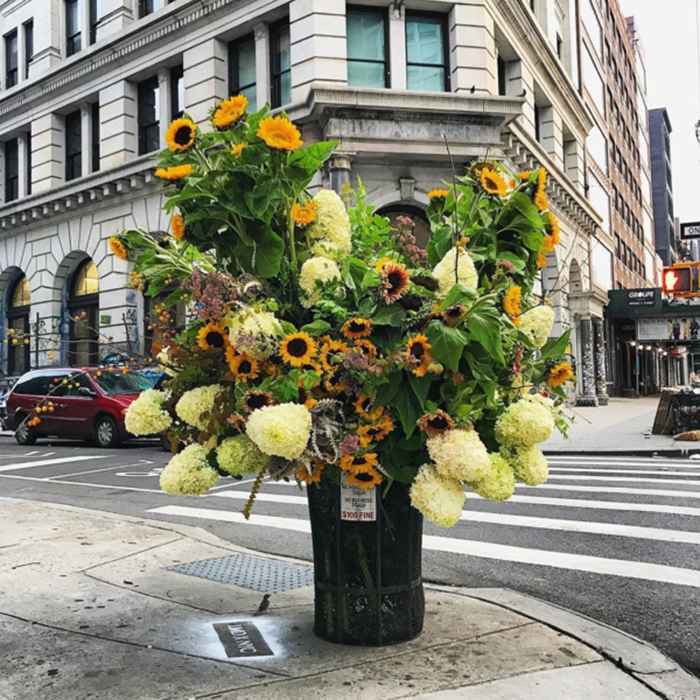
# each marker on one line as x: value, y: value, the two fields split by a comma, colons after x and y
x: 617, y: 539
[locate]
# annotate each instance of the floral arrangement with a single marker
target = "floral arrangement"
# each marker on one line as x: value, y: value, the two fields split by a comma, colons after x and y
x: 322, y: 344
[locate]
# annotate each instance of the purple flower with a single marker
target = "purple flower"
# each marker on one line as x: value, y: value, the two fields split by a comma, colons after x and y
x: 350, y: 445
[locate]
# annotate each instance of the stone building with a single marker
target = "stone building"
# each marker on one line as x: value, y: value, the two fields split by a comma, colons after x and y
x: 89, y: 89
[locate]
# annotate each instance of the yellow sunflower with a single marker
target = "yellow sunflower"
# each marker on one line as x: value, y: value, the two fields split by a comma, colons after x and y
x: 280, y: 133
x: 180, y: 134
x: 512, y: 303
x: 331, y: 349
x: 365, y: 478
x: 176, y: 172
x: 418, y: 348
x: 243, y: 367
x: 437, y: 194
x: 453, y: 314
x: 542, y: 178
x: 350, y: 463
x: 376, y: 432
x: 553, y: 227
x: 304, y: 214
x: 314, y: 476
x: 541, y: 260
x: 381, y: 262
x: 298, y: 348
x: 549, y: 244
x: 363, y: 406
x: 357, y: 328
x: 525, y: 174
x: 212, y: 337
x: 177, y: 227
x: 253, y: 400
x: 118, y: 248
x: 396, y: 280
x: 305, y: 399
x: 492, y: 182
x: 560, y: 374
x: 236, y: 150
x: 540, y: 200
x: 335, y: 382
x: 367, y: 348
x: 437, y: 423
x: 229, y: 111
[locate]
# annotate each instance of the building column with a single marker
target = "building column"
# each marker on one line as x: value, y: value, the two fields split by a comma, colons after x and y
x: 340, y: 166
x: 397, y: 46
x: 551, y: 135
x: 24, y: 142
x: 317, y: 44
x: 48, y: 35
x: 116, y: 15
x: 86, y: 138
x: 262, y: 65
x: 521, y: 83
x: 573, y: 163
x: 118, y: 124
x: 47, y: 152
x: 164, y: 104
x: 206, y: 79
x: 600, y: 374
x: 473, y: 62
x: 588, y: 372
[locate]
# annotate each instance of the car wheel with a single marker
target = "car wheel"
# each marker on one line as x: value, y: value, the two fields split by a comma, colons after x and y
x: 25, y: 434
x: 165, y: 443
x: 107, y: 432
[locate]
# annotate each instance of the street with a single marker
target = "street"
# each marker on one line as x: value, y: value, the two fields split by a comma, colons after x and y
x: 614, y: 538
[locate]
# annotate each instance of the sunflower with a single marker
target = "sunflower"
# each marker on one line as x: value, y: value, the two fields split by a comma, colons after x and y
x: 437, y: 194
x: 549, y: 244
x: 243, y: 367
x: 437, y: 423
x: 180, y: 134
x: 331, y: 349
x: 560, y: 374
x: 540, y: 200
x: 313, y: 477
x: 512, y: 303
x: 367, y: 348
x: 304, y: 214
x: 363, y: 406
x: 541, y: 260
x: 376, y: 432
x: 553, y: 227
x: 366, y: 478
x: 396, y: 280
x: 335, y: 382
x: 542, y: 178
x: 253, y: 400
x: 492, y: 182
x: 418, y: 348
x: 118, y: 248
x: 350, y: 463
x: 212, y: 337
x: 305, y: 399
x: 229, y: 111
x: 525, y: 174
x: 453, y: 314
x: 379, y: 265
x: 177, y: 226
x: 237, y: 149
x: 357, y: 328
x: 298, y: 348
x: 176, y: 172
x: 280, y: 133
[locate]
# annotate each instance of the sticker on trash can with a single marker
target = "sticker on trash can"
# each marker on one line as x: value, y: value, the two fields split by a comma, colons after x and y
x: 356, y: 503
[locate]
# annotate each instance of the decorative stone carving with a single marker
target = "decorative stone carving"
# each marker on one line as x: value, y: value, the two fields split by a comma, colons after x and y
x: 588, y: 372
x: 599, y: 350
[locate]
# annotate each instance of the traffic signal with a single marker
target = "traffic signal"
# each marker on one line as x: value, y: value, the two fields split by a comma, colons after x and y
x: 678, y: 280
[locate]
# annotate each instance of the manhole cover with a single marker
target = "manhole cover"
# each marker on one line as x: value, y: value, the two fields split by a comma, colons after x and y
x: 257, y: 574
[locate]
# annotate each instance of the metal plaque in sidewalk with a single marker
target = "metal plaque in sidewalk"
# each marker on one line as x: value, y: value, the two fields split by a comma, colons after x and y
x: 242, y: 639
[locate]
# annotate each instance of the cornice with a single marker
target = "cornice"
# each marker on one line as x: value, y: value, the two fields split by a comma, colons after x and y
x: 552, y: 73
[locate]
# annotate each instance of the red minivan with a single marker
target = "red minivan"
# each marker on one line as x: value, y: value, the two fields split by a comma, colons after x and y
x: 87, y: 407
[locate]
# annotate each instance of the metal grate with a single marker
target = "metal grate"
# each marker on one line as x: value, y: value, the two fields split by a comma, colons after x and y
x: 265, y: 575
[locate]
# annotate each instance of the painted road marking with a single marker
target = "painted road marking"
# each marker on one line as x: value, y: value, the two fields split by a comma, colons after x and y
x: 114, y: 487
x: 623, y: 461
x: 601, y: 505
x: 664, y: 493
x: 484, y: 550
x: 634, y: 479
x: 587, y: 470
x: 49, y: 462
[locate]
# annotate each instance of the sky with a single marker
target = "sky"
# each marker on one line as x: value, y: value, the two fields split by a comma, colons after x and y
x: 669, y: 34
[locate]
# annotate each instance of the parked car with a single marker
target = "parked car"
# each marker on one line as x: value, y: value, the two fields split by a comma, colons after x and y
x: 88, y: 407
x: 6, y: 384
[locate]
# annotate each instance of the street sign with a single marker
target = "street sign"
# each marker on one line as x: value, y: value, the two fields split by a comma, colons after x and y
x: 690, y: 231
x: 641, y: 297
x: 678, y: 280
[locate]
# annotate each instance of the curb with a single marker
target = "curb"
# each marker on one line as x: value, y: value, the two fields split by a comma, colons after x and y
x: 640, y: 659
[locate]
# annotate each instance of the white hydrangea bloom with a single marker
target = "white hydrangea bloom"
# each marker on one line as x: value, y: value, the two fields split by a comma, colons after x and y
x: 528, y: 463
x: 537, y: 324
x: 188, y: 473
x: 524, y: 424
x: 439, y: 499
x: 240, y: 455
x: 146, y: 415
x: 332, y: 223
x: 195, y: 402
x: 499, y: 482
x: 282, y: 430
x: 459, y: 455
x: 317, y: 269
x: 444, y: 271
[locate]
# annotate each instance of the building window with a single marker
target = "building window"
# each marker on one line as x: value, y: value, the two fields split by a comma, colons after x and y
x: 177, y: 92
x: 94, y: 9
x: 19, y: 301
x: 149, y: 119
x: 501, y: 67
x: 560, y: 46
x: 147, y: 7
x: 241, y: 69
x: 95, y: 136
x: 74, y: 145
x: 73, y: 39
x: 11, y: 170
x: 83, y: 303
x: 281, y: 78
x: 537, y: 122
x: 28, y: 156
x: 11, y: 66
x: 28, y: 28
x: 426, y: 55
x: 367, y: 44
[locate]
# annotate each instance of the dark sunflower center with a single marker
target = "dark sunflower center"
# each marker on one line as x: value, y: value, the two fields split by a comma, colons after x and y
x: 256, y: 401
x: 245, y: 367
x: 215, y: 339
x: 183, y: 135
x: 394, y: 279
x: 374, y: 431
x: 356, y: 327
x: 335, y: 379
x: 491, y: 184
x: 364, y: 477
x: 417, y: 350
x: 303, y: 396
x: 358, y: 461
x: 454, y: 312
x: 297, y: 347
x: 367, y: 404
x: 439, y: 423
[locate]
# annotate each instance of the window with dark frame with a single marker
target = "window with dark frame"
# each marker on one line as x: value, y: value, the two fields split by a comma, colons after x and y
x: 241, y: 69
x: 560, y: 46
x: 501, y: 67
x: 94, y: 10
x: 28, y: 161
x: 280, y: 63
x: 426, y: 52
x: 11, y: 170
x: 147, y: 7
x: 177, y: 92
x: 28, y: 29
x: 95, y: 136
x: 73, y: 36
x: 148, y: 117
x: 368, y: 63
x: 74, y: 145
x: 537, y: 123
x: 11, y: 60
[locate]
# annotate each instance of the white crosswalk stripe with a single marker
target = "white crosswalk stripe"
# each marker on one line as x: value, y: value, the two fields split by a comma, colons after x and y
x: 584, y: 528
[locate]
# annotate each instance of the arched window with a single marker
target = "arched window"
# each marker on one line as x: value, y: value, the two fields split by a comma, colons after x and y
x: 84, y: 310
x: 18, y: 303
x: 421, y: 229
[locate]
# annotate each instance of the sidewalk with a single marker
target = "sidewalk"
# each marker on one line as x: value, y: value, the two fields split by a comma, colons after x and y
x: 89, y: 609
x: 621, y: 427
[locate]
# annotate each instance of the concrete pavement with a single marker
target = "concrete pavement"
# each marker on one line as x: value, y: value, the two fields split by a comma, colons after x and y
x: 90, y: 609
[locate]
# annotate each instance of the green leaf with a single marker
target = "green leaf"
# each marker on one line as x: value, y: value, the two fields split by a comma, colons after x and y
x: 265, y: 257
x: 459, y: 293
x: 371, y: 279
x: 316, y: 328
x: 421, y: 387
x: 517, y: 260
x: 555, y: 348
x: 486, y: 328
x: 441, y: 240
x: 408, y: 407
x: 446, y: 344
x: 390, y: 315
x: 386, y: 392
x: 287, y: 327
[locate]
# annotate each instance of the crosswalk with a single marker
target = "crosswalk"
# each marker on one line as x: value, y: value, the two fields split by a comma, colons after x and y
x: 600, y: 515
